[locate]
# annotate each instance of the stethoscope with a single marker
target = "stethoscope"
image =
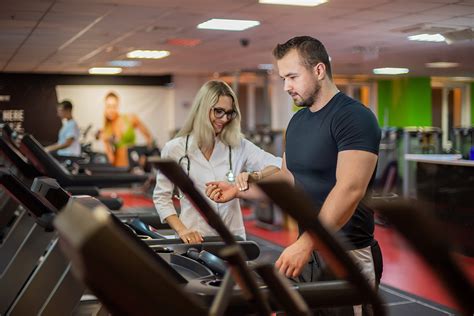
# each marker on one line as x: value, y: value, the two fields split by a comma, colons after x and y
x: 185, y: 159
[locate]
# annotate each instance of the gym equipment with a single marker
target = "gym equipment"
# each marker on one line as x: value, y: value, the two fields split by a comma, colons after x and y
x: 87, y: 232
x: 45, y: 163
x: 418, y: 140
x: 11, y: 153
x: 463, y: 140
x: 51, y: 286
x: 423, y: 233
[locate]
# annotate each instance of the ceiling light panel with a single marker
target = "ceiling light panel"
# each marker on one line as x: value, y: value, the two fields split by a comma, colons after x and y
x: 148, y: 54
x: 427, y: 38
x: 306, y: 3
x: 227, y: 24
x: 105, y: 70
x: 390, y: 71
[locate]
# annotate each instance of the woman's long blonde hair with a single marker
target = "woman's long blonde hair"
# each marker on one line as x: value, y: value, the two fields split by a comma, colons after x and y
x: 199, y: 124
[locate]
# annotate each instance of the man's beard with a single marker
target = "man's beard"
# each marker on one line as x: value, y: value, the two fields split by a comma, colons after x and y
x: 309, y: 101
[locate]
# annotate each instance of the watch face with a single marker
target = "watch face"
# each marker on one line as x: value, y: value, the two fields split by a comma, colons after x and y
x: 255, y: 175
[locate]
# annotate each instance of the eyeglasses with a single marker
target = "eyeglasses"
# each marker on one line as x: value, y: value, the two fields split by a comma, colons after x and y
x: 220, y: 112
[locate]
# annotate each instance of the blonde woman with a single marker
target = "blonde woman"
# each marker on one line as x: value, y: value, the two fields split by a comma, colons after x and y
x: 118, y: 133
x: 210, y: 147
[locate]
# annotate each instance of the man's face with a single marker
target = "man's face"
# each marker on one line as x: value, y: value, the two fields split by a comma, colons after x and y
x: 301, y: 83
x: 61, y: 112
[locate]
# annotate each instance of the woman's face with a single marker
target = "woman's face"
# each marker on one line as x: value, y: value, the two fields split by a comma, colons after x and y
x: 111, y: 108
x: 222, y: 108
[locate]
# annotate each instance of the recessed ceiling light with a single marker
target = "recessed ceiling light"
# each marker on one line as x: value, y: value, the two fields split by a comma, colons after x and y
x: 227, y: 25
x: 148, y: 54
x: 124, y: 63
x: 307, y: 3
x: 427, y: 38
x: 105, y: 70
x: 442, y: 64
x: 390, y: 71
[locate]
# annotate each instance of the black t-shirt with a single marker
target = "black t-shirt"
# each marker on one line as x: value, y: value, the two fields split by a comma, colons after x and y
x: 313, y: 141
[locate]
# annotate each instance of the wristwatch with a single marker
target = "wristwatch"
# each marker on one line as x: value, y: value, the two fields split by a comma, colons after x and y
x: 255, y: 175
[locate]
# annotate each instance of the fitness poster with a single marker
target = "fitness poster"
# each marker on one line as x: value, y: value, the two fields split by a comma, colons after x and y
x: 153, y: 105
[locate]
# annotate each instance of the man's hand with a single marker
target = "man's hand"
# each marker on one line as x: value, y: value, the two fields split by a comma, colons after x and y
x: 293, y: 259
x: 221, y: 191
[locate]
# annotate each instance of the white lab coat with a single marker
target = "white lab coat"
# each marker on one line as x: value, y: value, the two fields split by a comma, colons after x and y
x: 246, y: 157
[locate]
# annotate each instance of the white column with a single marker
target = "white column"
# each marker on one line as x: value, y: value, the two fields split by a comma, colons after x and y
x: 466, y: 105
x: 251, y: 109
x: 281, y: 103
x: 444, y: 116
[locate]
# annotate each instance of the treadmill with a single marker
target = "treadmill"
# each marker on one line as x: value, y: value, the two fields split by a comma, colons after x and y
x: 51, y: 286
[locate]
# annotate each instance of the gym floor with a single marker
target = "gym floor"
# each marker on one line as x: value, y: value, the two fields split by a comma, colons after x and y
x: 408, y: 286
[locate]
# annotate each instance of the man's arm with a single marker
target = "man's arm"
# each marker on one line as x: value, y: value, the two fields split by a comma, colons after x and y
x: 57, y: 146
x: 353, y: 172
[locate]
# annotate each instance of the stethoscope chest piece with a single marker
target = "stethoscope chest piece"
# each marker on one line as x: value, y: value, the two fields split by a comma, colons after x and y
x: 230, y: 176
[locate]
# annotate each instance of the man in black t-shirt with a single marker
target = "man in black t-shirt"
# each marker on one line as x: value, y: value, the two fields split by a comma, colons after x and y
x: 331, y: 151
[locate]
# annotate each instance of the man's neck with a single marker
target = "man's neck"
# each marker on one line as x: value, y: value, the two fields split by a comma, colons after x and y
x: 326, y: 93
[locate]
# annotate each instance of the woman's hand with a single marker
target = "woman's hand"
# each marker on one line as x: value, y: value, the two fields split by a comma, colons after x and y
x: 187, y: 235
x: 243, y: 179
x: 221, y: 191
x: 190, y: 236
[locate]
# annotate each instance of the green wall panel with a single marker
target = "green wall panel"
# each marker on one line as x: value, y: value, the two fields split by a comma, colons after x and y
x: 404, y: 102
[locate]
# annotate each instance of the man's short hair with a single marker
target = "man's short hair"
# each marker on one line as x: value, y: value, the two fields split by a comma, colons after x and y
x: 311, y: 50
x: 66, y: 105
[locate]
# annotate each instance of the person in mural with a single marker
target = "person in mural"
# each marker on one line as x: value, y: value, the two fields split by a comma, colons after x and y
x: 210, y: 147
x: 68, y: 137
x: 118, y: 133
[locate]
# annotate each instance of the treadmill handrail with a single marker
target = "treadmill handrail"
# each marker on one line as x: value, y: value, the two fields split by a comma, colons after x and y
x: 36, y: 204
x: 12, y: 153
x: 292, y: 303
